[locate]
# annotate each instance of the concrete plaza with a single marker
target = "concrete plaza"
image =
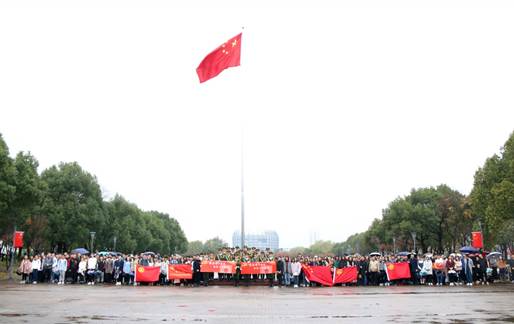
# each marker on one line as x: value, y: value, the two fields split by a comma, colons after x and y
x: 44, y: 303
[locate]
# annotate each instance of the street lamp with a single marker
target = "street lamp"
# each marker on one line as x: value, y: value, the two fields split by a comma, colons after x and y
x: 92, y: 241
x: 394, y: 245
x: 413, y: 234
x: 114, y: 239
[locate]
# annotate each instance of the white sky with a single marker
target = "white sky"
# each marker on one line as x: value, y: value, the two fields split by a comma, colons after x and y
x: 344, y: 108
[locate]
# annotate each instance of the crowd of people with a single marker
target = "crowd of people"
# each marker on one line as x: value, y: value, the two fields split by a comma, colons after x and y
x: 119, y: 269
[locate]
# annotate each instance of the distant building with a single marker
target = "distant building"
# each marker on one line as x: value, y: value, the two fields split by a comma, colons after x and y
x: 267, y: 239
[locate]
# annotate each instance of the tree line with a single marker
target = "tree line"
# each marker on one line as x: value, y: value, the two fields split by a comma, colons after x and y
x: 60, y: 207
x: 440, y: 219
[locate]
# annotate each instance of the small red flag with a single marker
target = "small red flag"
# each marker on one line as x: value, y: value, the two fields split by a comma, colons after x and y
x: 147, y: 274
x: 18, y: 239
x: 399, y: 270
x: 345, y: 275
x: 476, y: 240
x: 226, y: 55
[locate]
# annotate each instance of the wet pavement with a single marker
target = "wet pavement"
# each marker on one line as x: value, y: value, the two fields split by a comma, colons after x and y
x: 116, y: 304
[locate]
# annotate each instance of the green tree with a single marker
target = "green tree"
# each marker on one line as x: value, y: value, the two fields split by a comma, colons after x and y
x: 7, y: 189
x: 492, y: 196
x: 321, y: 248
x: 73, y: 204
x: 213, y: 245
x: 194, y: 248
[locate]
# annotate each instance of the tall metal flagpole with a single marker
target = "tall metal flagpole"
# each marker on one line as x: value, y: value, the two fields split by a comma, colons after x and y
x: 242, y: 190
x: 242, y: 176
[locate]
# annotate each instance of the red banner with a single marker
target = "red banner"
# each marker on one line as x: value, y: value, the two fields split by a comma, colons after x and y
x: 345, y: 275
x: 180, y: 271
x: 399, y: 270
x: 147, y: 274
x: 258, y: 267
x: 476, y: 240
x: 218, y: 266
x: 319, y: 274
x: 18, y: 239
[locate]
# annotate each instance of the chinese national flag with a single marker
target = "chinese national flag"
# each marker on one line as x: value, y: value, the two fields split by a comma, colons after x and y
x: 180, y: 271
x: 18, y: 239
x: 399, y: 270
x: 147, y: 274
x: 318, y: 274
x: 476, y: 240
x: 226, y: 55
x: 345, y: 275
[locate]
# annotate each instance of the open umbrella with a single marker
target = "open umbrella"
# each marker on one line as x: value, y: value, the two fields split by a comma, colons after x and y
x: 80, y: 251
x: 494, y: 254
x: 149, y: 253
x: 374, y: 254
x: 404, y: 253
x: 468, y: 249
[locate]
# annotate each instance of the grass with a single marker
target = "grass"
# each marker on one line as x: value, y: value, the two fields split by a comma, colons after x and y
x: 4, y: 275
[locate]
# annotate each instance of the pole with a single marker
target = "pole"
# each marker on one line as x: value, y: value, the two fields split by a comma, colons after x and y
x: 11, y: 264
x: 242, y: 191
x: 92, y: 242
x: 394, y: 245
x: 414, y: 239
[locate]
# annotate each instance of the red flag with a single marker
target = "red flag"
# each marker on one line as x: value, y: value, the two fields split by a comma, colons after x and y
x: 147, y: 274
x: 345, y: 275
x: 226, y: 55
x: 476, y: 240
x: 180, y: 271
x: 399, y: 270
x: 18, y: 239
x: 318, y: 274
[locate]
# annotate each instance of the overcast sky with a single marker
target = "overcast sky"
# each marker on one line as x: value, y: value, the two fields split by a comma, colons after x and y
x: 344, y: 108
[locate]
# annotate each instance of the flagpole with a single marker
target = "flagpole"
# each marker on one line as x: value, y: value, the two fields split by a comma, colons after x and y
x: 242, y: 176
x: 242, y: 190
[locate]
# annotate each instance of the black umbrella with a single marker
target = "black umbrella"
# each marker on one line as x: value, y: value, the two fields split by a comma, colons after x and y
x: 80, y: 251
x: 469, y: 249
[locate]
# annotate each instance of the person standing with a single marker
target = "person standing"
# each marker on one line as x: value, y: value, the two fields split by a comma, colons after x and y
x: 108, y: 269
x: 197, y: 275
x: 427, y: 271
x: 287, y: 272
x: 373, y: 270
x: 100, y: 273
x: 36, y: 265
x: 439, y: 266
x: 127, y: 270
x: 82, y: 269
x: 74, y: 268
x: 280, y: 270
x: 118, y: 270
x: 414, y: 269
x: 296, y: 268
x: 47, y: 267
x: 62, y: 266
x: 91, y: 269
x: 467, y: 268
x: 25, y: 269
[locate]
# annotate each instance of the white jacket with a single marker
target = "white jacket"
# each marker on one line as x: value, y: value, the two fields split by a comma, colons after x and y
x: 296, y: 267
x: 82, y: 266
x: 427, y: 267
x: 91, y: 264
x: 36, y: 264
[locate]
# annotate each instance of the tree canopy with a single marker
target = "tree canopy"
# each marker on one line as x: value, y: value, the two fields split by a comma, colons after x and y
x: 59, y: 208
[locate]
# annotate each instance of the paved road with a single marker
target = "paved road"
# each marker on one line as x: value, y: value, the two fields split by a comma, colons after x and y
x: 115, y: 304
